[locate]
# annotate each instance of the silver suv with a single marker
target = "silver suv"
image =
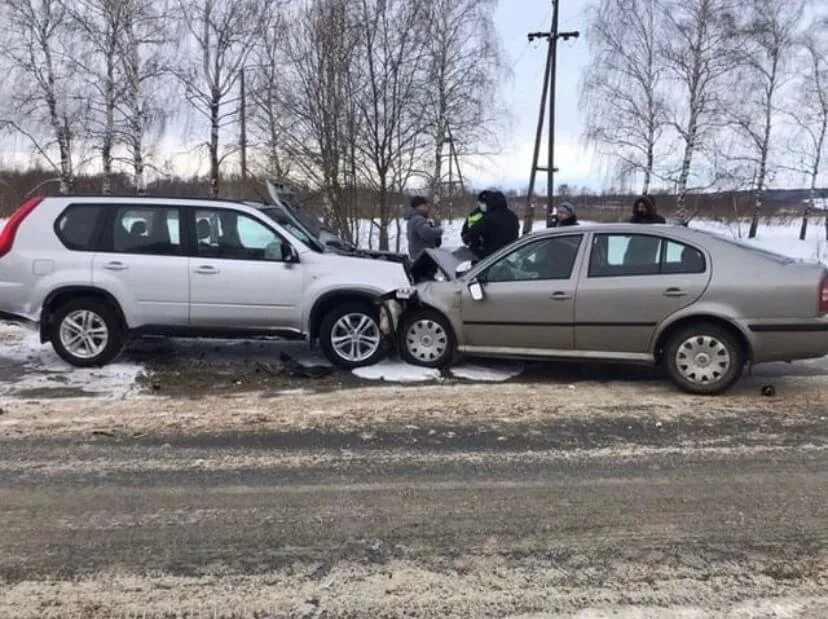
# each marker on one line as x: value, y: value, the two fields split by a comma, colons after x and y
x: 95, y: 271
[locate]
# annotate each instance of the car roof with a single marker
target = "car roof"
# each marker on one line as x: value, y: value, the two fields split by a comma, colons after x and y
x: 115, y: 200
x: 672, y: 229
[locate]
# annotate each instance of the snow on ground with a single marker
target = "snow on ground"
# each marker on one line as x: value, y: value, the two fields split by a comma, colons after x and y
x: 393, y: 370
x: 29, y: 366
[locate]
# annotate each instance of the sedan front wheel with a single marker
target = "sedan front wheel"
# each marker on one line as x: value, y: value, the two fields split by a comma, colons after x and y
x: 426, y: 339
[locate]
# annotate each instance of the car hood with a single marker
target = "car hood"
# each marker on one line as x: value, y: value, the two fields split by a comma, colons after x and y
x: 440, y: 263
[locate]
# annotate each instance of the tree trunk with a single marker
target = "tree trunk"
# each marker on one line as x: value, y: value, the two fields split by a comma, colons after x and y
x: 109, y: 127
x: 682, y: 212
x: 383, y: 216
x: 214, y: 146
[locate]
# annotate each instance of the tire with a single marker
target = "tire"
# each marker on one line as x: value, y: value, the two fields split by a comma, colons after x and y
x: 704, y: 359
x: 427, y: 339
x: 349, y: 320
x: 95, y: 323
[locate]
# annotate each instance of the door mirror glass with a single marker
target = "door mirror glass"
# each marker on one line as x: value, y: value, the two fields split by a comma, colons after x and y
x: 476, y: 291
x: 463, y: 268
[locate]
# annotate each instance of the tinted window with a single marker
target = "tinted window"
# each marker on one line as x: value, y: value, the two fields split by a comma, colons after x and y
x: 618, y: 255
x: 222, y: 233
x: 147, y: 230
x: 551, y: 258
x: 76, y: 227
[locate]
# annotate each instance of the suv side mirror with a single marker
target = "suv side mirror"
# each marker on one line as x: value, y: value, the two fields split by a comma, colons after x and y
x: 476, y: 291
x: 463, y: 268
x: 290, y: 254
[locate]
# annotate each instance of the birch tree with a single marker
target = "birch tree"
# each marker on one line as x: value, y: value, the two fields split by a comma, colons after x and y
x: 809, y: 111
x: 767, y: 42
x: 48, y: 105
x: 696, y: 46
x: 391, y: 102
x: 143, y: 66
x: 622, y: 91
x: 223, y: 33
x: 464, y: 64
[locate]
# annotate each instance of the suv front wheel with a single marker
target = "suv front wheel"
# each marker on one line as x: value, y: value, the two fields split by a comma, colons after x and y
x: 86, y: 333
x: 350, y: 336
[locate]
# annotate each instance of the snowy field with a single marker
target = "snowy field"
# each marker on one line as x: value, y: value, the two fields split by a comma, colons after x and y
x: 28, y: 365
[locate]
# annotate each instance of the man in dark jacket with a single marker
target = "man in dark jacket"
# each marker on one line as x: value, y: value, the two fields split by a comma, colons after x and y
x: 565, y: 216
x: 498, y: 227
x: 644, y: 212
x: 423, y: 233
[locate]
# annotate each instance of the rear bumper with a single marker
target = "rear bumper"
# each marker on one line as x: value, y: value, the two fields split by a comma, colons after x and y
x: 778, y: 340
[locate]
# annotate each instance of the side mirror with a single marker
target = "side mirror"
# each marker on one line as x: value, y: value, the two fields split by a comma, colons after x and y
x: 290, y: 253
x: 463, y: 268
x: 476, y: 291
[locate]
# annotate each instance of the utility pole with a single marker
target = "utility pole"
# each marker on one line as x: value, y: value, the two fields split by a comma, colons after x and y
x: 243, y: 131
x: 548, y: 90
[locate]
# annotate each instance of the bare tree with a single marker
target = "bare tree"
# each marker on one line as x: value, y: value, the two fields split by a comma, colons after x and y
x: 304, y: 103
x: 463, y: 65
x: 696, y: 47
x: 39, y: 46
x: 622, y: 91
x: 143, y: 65
x: 391, y: 107
x: 767, y: 41
x: 809, y: 113
x: 223, y: 33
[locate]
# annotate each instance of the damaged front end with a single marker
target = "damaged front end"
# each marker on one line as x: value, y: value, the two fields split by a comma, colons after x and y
x: 392, y: 306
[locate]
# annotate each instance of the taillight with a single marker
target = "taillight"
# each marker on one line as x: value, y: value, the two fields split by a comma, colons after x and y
x: 9, y: 231
x: 823, y: 295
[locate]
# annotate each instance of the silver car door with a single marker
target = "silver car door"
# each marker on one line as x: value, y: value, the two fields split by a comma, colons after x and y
x: 529, y: 298
x: 241, y: 275
x: 631, y: 283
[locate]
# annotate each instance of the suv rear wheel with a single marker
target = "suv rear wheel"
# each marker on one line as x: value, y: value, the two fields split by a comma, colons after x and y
x: 86, y: 333
x: 704, y: 359
x: 350, y: 335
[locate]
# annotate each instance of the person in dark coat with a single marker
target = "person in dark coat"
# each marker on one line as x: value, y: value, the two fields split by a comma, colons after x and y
x: 422, y: 232
x: 475, y: 217
x: 644, y: 212
x: 498, y: 227
x: 565, y: 216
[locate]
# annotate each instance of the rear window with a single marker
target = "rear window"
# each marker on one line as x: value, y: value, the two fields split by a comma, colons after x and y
x: 77, y: 227
x: 147, y: 230
x: 764, y: 253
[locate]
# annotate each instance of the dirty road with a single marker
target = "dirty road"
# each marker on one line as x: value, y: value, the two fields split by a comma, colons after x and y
x: 204, y: 484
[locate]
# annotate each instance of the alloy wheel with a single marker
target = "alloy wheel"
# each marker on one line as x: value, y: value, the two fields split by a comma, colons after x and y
x: 356, y: 337
x: 84, y: 334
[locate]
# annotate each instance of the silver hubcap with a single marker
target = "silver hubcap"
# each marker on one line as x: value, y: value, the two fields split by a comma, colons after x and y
x: 426, y: 340
x: 356, y: 337
x: 703, y: 360
x: 84, y: 334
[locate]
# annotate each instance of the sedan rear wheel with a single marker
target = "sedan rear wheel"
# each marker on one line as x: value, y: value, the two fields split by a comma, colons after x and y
x: 705, y: 359
x: 426, y: 339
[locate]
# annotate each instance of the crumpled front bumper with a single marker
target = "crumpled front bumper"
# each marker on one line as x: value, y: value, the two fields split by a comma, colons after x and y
x: 392, y: 306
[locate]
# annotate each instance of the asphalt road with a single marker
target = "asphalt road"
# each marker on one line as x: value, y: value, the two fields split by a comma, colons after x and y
x: 440, y: 520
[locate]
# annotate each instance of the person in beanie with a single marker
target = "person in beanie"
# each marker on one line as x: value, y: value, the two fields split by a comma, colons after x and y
x: 644, y: 212
x: 423, y: 233
x: 498, y: 227
x: 565, y: 216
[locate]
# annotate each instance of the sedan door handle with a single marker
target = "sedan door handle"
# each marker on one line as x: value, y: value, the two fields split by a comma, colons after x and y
x: 207, y: 270
x: 561, y: 296
x: 115, y: 265
x: 675, y: 292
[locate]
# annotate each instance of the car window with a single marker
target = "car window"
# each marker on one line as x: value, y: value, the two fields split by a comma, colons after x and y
x: 222, y: 233
x: 621, y: 255
x: 77, y: 225
x: 551, y: 258
x: 147, y: 230
x: 293, y: 228
x: 680, y: 258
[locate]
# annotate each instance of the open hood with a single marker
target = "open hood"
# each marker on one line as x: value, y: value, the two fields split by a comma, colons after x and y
x: 440, y: 264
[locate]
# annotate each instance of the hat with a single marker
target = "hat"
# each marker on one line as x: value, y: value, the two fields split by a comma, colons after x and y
x: 566, y: 209
x: 418, y: 201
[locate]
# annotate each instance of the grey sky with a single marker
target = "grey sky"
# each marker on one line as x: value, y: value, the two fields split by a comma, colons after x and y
x: 521, y: 95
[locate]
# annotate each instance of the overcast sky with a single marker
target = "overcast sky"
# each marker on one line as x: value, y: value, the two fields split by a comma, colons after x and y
x: 521, y: 94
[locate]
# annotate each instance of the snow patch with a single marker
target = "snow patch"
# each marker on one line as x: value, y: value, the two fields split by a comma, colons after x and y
x: 391, y: 370
x: 494, y: 373
x: 28, y: 365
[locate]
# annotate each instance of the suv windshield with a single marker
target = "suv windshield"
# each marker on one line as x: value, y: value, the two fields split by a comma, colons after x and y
x: 293, y: 228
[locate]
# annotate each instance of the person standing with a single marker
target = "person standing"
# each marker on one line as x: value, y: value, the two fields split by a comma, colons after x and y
x: 498, y: 227
x: 475, y: 217
x: 644, y: 212
x: 565, y: 216
x: 423, y: 232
